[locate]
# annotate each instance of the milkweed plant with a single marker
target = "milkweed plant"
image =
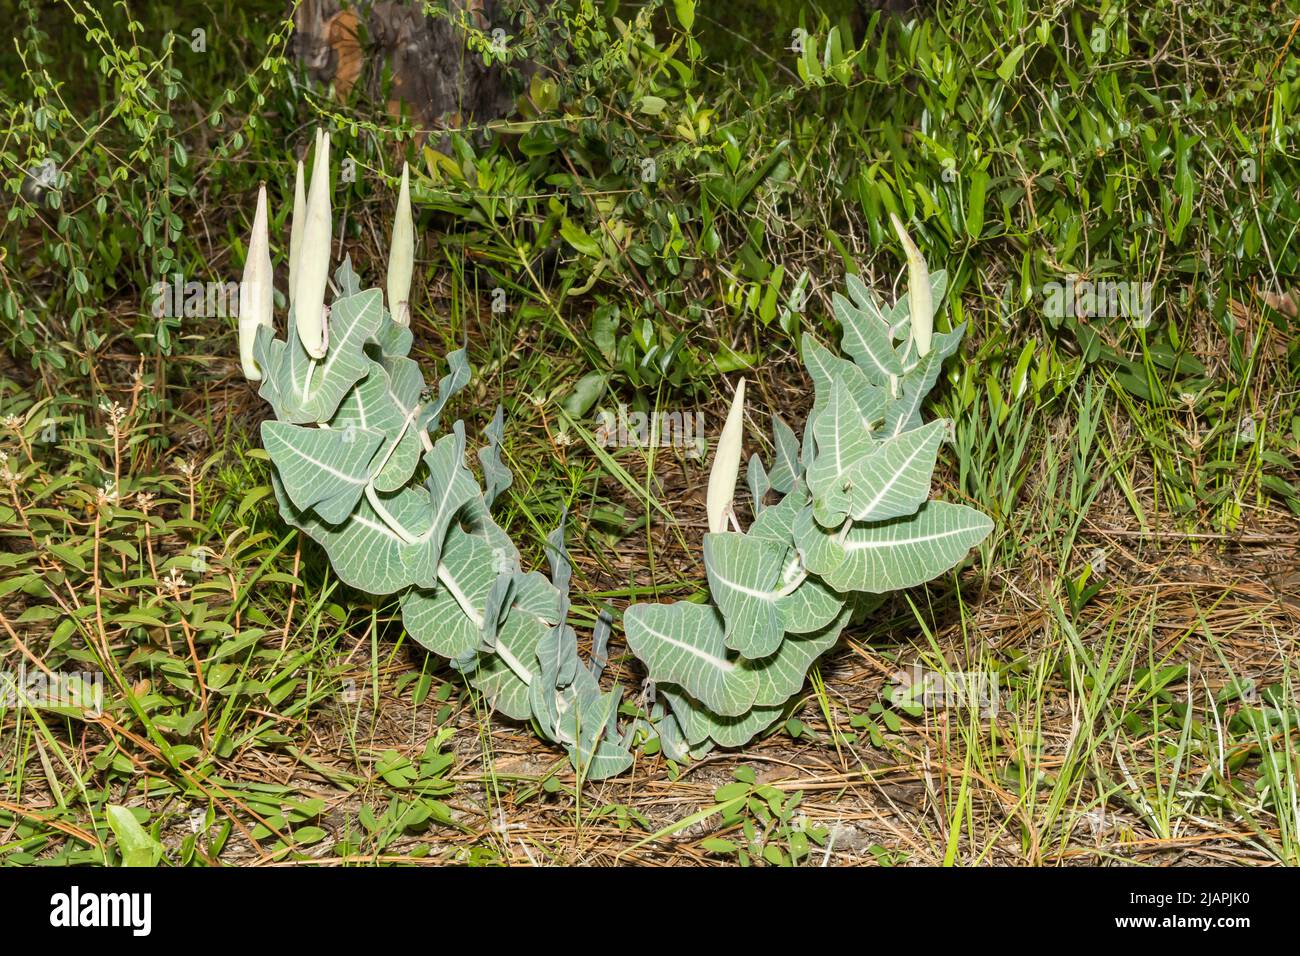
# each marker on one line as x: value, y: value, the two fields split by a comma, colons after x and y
x: 365, y: 466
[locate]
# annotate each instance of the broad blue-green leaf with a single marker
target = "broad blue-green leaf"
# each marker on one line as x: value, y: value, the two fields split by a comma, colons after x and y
x: 561, y: 568
x: 365, y: 551
x: 685, y: 644
x: 499, y: 599
x: 457, y: 377
x: 865, y: 337
x: 759, y: 484
x: 825, y: 369
x: 777, y: 522
x: 781, y: 675
x: 557, y: 654
x: 808, y: 451
x: 496, y: 476
x: 557, y: 667
x: 809, y: 607
x: 891, y: 555
x: 842, y: 442
x: 448, y: 619
x: 666, y: 726
x: 786, y: 466
x: 475, y: 518
x: 863, y: 296
x: 537, y: 596
x: 304, y: 390
x: 450, y: 485
x: 600, y: 636
x: 743, y: 576
x: 393, y: 338
x: 322, y: 469
x: 503, y: 677
x: 813, y: 604
x: 586, y: 725
x: 698, y: 723
x: 904, y: 413
x: 943, y: 344
x: 377, y: 402
x: 892, y: 481
x: 346, y: 279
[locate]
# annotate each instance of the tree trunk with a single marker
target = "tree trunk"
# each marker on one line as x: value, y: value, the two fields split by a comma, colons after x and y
x: 440, y: 82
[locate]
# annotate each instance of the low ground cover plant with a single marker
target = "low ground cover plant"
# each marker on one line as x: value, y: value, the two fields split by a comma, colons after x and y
x: 358, y: 468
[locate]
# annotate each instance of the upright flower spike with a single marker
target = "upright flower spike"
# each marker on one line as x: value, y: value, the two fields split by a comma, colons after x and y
x: 726, y: 464
x: 295, y: 229
x: 255, y: 291
x: 918, y: 290
x: 314, y: 255
x: 401, y: 254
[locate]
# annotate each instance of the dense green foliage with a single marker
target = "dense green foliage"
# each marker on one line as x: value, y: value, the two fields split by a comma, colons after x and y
x: 680, y: 196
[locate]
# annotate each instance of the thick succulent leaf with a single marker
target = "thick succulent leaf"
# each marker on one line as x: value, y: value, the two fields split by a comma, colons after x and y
x: 863, y: 296
x: 496, y: 476
x: 365, y: 552
x: 672, y: 739
x: 891, y: 555
x: 587, y: 724
x: 499, y: 599
x: 781, y: 675
x: 894, y: 480
x: 808, y: 450
x: 476, y: 519
x: 438, y: 623
x: 322, y: 469
x: 900, y: 316
x: 557, y: 555
x: 448, y: 619
x: 535, y: 595
x: 600, y: 636
x: 304, y: 390
x: 825, y: 369
x: 500, y: 675
x: 759, y: 484
x: 813, y: 604
x: 610, y: 759
x: 865, y: 337
x: 684, y: 643
x: 346, y: 279
x: 550, y: 693
x: 450, y: 485
x: 809, y: 607
x: 743, y: 579
x: 842, y: 442
x: 699, y: 724
x: 557, y: 655
x: 375, y: 402
x: 777, y: 522
x: 904, y: 413
x: 942, y: 344
x: 457, y: 377
x: 786, y: 467
x: 393, y: 338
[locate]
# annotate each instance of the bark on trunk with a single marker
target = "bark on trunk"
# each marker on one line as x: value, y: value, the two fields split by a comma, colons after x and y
x: 442, y: 83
